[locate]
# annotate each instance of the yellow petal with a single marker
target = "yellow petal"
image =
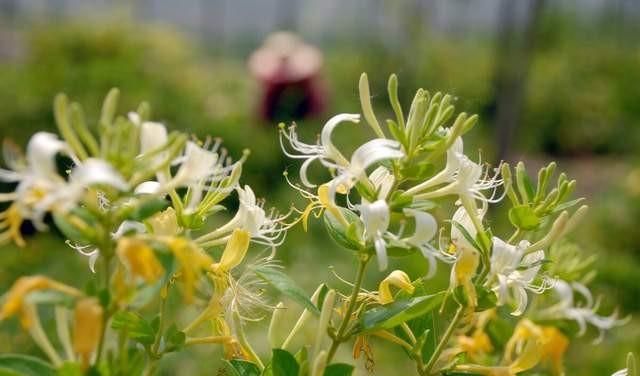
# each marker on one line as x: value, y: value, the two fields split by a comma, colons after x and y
x: 192, y: 261
x: 139, y: 259
x: 396, y: 278
x: 14, y: 299
x: 235, y: 250
x: 87, y: 329
x: 323, y: 197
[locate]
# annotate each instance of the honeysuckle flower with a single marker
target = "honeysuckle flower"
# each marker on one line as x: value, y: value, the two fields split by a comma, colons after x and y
x: 425, y: 230
x: 15, y: 300
x: 622, y: 372
x: 463, y: 178
x: 153, y: 136
x: 363, y: 157
x: 554, y: 347
x: 584, y: 314
x: 477, y: 344
x: 323, y: 151
x: 512, y: 273
x: 267, y: 229
x: 398, y: 279
x: 318, y: 203
x: 139, y: 259
x: 87, y: 329
x: 192, y: 260
x: 164, y: 223
x: 376, y: 217
x: 467, y: 257
x: 234, y: 252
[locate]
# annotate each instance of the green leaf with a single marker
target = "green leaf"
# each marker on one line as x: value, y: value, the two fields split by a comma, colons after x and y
x: 23, y: 365
x: 136, y: 326
x: 391, y: 315
x: 567, y: 205
x: 344, y: 236
x: 338, y: 369
x: 244, y: 368
x: 228, y: 369
x: 284, y: 284
x: 486, y: 299
x: 524, y: 217
x: 284, y: 364
x: 146, y: 208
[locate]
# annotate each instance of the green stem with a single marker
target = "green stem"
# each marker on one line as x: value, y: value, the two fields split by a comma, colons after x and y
x: 339, y: 337
x: 443, y: 341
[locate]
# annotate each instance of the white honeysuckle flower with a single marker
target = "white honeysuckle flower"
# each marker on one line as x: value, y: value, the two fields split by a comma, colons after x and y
x: 584, y: 314
x: 512, y: 273
x: 463, y: 177
x: 462, y: 218
x: 425, y: 230
x: 622, y: 372
x: 376, y: 217
x: 265, y: 228
x: 363, y: 157
x: 324, y: 151
x: 127, y: 227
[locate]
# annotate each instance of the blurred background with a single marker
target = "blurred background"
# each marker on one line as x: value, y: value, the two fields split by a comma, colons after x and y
x: 551, y: 80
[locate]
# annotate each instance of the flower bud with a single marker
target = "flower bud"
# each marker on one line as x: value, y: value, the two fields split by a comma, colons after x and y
x: 88, y: 328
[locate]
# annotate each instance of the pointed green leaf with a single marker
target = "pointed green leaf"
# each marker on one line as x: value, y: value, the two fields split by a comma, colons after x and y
x: 391, y: 315
x: 284, y: 284
x: 284, y: 364
x: 338, y: 369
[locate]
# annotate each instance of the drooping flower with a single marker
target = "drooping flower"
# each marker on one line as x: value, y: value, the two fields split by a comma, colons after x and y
x: 376, y: 217
x: 425, y: 230
x: 512, y: 273
x: 584, y: 314
x: 139, y: 259
x: 87, y: 331
x: 398, y: 279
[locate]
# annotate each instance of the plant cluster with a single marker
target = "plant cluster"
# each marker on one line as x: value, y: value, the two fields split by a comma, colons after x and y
x: 143, y: 205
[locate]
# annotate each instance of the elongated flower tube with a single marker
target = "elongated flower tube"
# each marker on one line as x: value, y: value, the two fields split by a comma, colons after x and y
x: 139, y: 259
x: 192, y: 260
x: 14, y: 300
x: 467, y: 257
x: 376, y: 217
x: 87, y: 330
x: 398, y: 279
x: 512, y: 273
x: 267, y: 229
x: 234, y: 252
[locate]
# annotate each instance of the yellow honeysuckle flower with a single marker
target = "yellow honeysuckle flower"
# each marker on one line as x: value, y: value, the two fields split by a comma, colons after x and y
x: 234, y: 252
x: 464, y: 270
x: 15, y: 304
x: 554, y: 346
x: 396, y: 278
x: 10, y: 222
x: 192, y: 260
x: 87, y: 328
x: 165, y: 223
x: 139, y: 259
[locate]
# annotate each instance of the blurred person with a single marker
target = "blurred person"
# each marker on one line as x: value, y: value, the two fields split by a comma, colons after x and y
x: 288, y: 71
